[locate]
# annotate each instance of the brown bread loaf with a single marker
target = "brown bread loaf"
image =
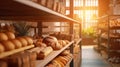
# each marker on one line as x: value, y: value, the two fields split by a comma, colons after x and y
x: 3, y: 37
x: 8, y: 45
x: 45, y: 52
x: 23, y: 41
x: 10, y: 35
x: 16, y: 43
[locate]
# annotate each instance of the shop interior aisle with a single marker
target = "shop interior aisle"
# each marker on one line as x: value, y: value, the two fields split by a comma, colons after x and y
x: 90, y: 58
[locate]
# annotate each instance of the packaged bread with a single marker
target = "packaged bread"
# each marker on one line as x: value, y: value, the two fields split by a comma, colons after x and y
x: 23, y: 41
x: 2, y: 48
x: 10, y: 35
x: 3, y: 64
x: 3, y: 37
x: 17, y: 43
x: 45, y: 52
x: 8, y: 45
x: 29, y: 40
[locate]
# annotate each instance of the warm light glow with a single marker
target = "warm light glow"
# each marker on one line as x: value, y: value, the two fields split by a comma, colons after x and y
x: 88, y: 14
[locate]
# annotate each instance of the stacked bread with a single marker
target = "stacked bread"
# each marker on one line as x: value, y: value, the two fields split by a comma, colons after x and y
x: 23, y: 59
x: 48, y: 44
x: 61, y: 60
x: 9, y: 42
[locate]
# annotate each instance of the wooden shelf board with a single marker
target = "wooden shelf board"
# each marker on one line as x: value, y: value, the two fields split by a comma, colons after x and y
x: 29, y: 10
x: 78, y: 41
x: 51, y: 56
x: 7, y: 53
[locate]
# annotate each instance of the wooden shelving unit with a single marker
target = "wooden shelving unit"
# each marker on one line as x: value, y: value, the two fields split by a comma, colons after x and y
x: 8, y: 53
x: 42, y: 63
x: 27, y: 10
x: 110, y: 40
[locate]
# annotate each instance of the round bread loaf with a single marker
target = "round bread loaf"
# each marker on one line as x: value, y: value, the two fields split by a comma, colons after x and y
x: 17, y: 43
x: 23, y: 41
x: 2, y: 48
x: 10, y: 35
x: 8, y: 45
x: 3, y: 37
x: 53, y: 42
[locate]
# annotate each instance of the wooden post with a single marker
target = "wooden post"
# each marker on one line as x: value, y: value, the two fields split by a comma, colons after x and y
x: 39, y: 28
x: 71, y: 29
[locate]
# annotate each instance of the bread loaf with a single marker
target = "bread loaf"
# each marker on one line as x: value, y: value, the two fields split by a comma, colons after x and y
x: 8, y: 45
x: 23, y: 41
x: 17, y: 43
x: 40, y: 44
x: 65, y: 52
x: 25, y: 60
x: 29, y: 40
x: 32, y: 58
x: 14, y: 61
x: 2, y: 48
x: 45, y: 52
x: 53, y: 42
x: 10, y: 35
x: 3, y: 37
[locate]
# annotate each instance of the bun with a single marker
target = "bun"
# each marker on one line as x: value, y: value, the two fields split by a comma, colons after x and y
x: 10, y: 35
x: 17, y: 43
x: 8, y: 45
x: 2, y: 48
x: 3, y: 37
x: 29, y: 40
x: 23, y: 41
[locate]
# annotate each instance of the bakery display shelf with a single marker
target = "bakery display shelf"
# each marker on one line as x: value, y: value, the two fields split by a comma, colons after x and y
x: 115, y: 28
x: 51, y: 56
x: 30, y: 11
x: 111, y: 37
x: 8, y: 53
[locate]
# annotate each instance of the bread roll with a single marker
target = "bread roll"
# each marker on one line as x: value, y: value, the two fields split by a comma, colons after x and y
x: 8, y: 45
x: 10, y: 35
x: 29, y: 40
x: 2, y: 48
x: 45, y: 52
x: 17, y: 43
x: 23, y: 41
x: 40, y: 44
x: 3, y: 37
x: 62, y: 61
x: 53, y: 42
x: 65, y: 52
